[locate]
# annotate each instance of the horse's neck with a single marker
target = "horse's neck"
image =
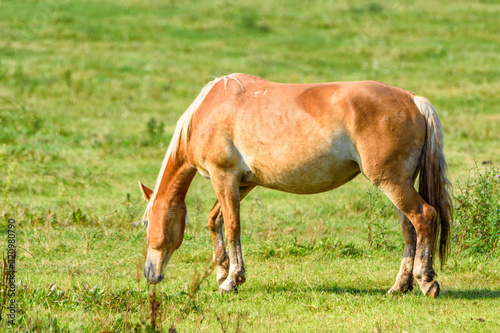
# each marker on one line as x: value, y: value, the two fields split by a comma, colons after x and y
x: 175, y: 181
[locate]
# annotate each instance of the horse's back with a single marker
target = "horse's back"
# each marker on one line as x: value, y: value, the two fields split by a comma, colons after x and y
x: 301, y: 138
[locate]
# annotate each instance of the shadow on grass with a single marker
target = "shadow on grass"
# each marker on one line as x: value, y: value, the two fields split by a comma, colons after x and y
x: 328, y: 290
x: 349, y: 290
x: 470, y: 294
x: 450, y: 294
x: 446, y: 294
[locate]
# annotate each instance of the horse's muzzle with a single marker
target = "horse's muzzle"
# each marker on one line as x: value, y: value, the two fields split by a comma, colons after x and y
x: 150, y: 273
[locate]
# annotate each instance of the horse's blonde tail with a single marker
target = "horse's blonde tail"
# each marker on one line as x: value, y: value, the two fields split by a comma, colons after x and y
x: 433, y: 183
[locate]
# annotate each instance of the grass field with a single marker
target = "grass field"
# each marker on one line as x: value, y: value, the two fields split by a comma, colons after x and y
x: 90, y: 92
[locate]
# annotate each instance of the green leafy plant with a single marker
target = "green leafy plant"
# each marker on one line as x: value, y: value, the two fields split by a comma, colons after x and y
x: 477, y: 211
x: 377, y: 233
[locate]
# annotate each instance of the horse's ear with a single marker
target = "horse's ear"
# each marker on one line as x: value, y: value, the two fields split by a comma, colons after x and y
x: 146, y: 191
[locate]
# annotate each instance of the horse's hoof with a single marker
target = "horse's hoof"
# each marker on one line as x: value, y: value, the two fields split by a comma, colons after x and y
x: 400, y: 290
x: 434, y: 290
x: 393, y: 292
x: 224, y: 291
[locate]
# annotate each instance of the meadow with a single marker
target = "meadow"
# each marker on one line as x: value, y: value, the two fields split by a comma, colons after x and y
x: 90, y: 92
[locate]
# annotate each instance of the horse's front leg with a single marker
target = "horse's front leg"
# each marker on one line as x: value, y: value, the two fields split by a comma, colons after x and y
x: 226, y: 186
x: 215, y: 224
x: 221, y: 259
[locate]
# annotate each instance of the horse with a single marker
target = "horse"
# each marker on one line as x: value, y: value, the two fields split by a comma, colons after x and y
x: 243, y: 131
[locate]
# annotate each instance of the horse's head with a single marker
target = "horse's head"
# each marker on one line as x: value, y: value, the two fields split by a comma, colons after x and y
x: 165, y: 222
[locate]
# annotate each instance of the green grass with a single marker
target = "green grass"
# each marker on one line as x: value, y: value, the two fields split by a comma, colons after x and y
x: 79, y: 83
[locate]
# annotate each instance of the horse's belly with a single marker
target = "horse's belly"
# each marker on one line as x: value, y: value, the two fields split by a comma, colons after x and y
x: 301, y: 173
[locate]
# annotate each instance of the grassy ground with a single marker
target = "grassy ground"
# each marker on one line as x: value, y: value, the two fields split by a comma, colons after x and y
x: 89, y: 96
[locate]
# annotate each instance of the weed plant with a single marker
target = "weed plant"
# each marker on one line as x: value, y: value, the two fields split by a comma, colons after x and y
x: 477, y: 212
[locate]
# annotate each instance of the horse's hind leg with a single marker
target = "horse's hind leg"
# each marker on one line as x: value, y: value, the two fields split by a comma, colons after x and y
x: 422, y: 216
x: 215, y: 224
x: 404, y: 280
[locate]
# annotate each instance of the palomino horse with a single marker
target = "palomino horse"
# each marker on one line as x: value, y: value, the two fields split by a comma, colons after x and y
x: 243, y: 131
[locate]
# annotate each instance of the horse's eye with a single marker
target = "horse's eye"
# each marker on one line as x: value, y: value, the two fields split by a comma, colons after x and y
x: 145, y: 222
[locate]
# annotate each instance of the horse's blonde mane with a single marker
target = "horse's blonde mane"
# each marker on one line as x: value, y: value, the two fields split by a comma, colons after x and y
x: 183, y: 128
